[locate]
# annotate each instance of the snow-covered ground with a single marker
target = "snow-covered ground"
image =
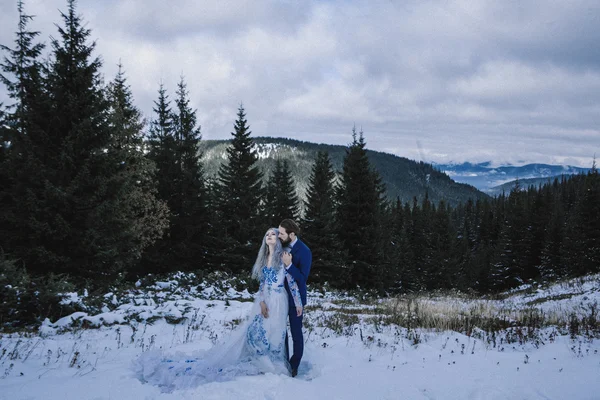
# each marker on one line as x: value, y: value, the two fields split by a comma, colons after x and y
x: 351, y: 353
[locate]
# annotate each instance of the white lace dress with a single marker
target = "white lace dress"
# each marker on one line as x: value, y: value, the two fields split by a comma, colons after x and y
x: 255, y: 347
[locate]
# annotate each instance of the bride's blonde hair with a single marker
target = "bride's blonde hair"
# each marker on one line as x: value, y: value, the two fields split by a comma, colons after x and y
x: 263, y: 255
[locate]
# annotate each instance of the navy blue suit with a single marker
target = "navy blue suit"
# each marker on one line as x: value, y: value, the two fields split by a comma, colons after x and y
x: 299, y: 270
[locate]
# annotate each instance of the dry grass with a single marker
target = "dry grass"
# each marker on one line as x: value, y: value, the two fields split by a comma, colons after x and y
x: 456, y: 312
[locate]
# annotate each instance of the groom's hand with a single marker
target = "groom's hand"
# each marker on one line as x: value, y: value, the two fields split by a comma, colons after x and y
x: 298, y: 311
x: 286, y: 258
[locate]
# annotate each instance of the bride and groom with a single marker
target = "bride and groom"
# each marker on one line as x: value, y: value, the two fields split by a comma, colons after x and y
x: 261, y: 344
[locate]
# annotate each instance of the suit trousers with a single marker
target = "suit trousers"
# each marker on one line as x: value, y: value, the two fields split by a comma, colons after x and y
x: 297, y: 339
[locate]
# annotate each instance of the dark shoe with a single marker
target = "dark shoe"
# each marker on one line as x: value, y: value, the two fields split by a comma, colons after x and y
x: 294, y: 372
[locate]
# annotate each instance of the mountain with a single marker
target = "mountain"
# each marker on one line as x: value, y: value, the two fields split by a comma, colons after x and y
x: 403, y: 178
x: 487, y: 178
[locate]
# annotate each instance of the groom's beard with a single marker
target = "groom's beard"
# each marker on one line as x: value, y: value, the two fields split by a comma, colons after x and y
x: 286, y: 243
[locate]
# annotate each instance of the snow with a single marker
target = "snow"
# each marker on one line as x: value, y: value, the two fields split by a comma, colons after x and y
x: 84, y: 356
x: 70, y: 298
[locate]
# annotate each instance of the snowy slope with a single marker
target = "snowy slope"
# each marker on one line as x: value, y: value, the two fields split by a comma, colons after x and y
x: 350, y: 352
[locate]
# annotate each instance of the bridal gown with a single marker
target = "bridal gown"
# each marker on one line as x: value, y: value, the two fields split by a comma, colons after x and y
x: 256, y: 347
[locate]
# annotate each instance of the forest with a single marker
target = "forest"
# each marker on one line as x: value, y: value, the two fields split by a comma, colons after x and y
x: 92, y: 196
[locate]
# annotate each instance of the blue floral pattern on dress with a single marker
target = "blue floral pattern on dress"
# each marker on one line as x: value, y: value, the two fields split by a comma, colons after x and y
x: 294, y: 289
x: 257, y: 336
x: 270, y: 275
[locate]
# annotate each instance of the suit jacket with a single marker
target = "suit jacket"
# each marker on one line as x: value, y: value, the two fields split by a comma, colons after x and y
x: 299, y: 270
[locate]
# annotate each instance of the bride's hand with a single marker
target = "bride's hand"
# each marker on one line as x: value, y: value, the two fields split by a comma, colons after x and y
x: 298, y: 311
x: 264, y: 310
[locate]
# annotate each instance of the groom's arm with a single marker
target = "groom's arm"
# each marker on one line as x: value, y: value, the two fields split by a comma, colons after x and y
x: 299, y: 271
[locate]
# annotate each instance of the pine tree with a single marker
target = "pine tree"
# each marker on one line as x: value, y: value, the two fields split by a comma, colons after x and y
x: 281, y: 198
x: 162, y: 145
x: 79, y: 139
x: 23, y: 64
x: 442, y: 271
x: 359, y: 214
x: 319, y: 226
x: 239, y: 197
x: 407, y: 271
x: 512, y: 249
x: 78, y: 213
x: 190, y: 224
x: 21, y: 140
x: 174, y: 142
x: 482, y: 253
x: 581, y: 248
x: 551, y: 263
x: 162, y: 152
x: 134, y: 174
x: 396, y: 251
x: 6, y: 213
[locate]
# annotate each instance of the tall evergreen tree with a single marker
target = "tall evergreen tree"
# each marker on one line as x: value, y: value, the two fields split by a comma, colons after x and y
x: 162, y: 145
x: 19, y: 131
x: 190, y: 224
x: 396, y: 252
x: 22, y: 63
x: 405, y: 269
x: 442, y: 270
x: 319, y: 225
x: 174, y: 142
x: 134, y: 174
x: 239, y: 197
x: 581, y: 248
x: 551, y: 262
x: 361, y: 204
x: 78, y: 212
x: 281, y: 198
x: 512, y: 247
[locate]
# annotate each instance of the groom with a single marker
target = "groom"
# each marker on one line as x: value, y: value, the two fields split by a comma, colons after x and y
x: 297, y: 259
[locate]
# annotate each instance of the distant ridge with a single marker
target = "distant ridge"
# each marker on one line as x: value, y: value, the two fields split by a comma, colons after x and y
x: 403, y: 178
x: 524, y: 184
x: 487, y: 178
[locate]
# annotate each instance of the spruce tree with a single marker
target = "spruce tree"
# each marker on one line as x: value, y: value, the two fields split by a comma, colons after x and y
x: 281, y: 198
x: 78, y: 212
x: 77, y: 163
x: 319, y: 225
x: 162, y: 151
x: 551, y: 262
x: 406, y: 270
x: 190, y: 224
x: 512, y: 247
x: 174, y: 141
x: 162, y: 145
x: 134, y: 174
x: 239, y: 197
x: 22, y: 63
x: 22, y: 143
x: 581, y: 248
x: 359, y: 213
x: 442, y: 269
x: 484, y: 247
x: 396, y: 251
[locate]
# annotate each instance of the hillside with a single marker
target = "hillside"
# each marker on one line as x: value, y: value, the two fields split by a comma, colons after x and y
x: 403, y: 178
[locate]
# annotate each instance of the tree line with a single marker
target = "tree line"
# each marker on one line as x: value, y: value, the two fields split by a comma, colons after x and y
x: 91, y: 195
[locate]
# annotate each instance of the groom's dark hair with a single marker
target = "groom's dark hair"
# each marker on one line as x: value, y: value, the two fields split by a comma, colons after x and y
x: 290, y: 226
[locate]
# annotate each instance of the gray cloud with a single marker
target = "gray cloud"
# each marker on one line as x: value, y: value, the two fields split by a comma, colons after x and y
x: 514, y: 81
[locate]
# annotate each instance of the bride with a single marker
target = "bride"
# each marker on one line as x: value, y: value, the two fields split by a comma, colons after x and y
x: 256, y: 347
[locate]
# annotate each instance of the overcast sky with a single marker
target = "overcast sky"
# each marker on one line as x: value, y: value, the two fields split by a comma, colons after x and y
x: 439, y: 81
